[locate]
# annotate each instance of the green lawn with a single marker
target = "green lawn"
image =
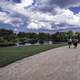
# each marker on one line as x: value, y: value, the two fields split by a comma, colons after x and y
x: 12, y: 54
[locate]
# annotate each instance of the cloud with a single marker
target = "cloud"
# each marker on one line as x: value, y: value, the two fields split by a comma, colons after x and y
x: 43, y: 14
x: 39, y: 25
x: 24, y: 3
x: 63, y: 16
x: 49, y: 5
x: 3, y: 16
x: 68, y: 17
x: 16, y: 22
x: 16, y: 7
x: 15, y: 30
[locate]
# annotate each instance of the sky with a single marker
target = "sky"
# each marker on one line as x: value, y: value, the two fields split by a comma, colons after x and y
x: 40, y: 15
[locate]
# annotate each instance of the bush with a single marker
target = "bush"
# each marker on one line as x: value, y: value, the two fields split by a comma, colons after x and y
x: 7, y: 44
x: 33, y: 41
x: 41, y: 41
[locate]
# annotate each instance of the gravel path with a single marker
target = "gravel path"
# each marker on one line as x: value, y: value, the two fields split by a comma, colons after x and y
x: 56, y: 64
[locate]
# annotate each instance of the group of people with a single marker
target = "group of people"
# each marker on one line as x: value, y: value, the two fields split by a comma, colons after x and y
x: 73, y: 41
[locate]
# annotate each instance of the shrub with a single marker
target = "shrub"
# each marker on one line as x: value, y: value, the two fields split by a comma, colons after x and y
x: 41, y: 41
x: 7, y: 44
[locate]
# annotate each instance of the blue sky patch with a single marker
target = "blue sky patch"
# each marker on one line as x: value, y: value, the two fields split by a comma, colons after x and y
x: 75, y: 9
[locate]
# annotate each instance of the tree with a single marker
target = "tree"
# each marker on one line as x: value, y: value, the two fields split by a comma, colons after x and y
x: 70, y: 34
x: 43, y: 37
x: 7, y: 35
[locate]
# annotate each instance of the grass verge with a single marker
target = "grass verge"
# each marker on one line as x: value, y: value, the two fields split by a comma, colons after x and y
x: 12, y: 54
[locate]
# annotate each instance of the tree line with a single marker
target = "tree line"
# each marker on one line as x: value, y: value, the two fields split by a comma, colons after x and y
x: 9, y: 38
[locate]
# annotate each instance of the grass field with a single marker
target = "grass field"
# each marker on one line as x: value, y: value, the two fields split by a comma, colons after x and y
x: 12, y: 54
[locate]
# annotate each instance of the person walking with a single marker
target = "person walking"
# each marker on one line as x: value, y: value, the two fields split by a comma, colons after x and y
x: 75, y: 43
x: 69, y: 42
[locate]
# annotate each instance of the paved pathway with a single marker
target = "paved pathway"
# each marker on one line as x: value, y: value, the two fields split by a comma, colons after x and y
x: 56, y: 64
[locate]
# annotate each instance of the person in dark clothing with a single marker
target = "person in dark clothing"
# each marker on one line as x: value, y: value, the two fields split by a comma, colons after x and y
x: 75, y: 43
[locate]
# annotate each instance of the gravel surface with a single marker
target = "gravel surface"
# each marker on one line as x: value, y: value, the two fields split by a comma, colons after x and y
x: 56, y: 64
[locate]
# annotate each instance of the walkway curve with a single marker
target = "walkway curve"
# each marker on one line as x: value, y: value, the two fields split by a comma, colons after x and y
x: 56, y: 64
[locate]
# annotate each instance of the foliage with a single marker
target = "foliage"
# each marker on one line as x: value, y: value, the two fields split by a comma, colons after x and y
x: 7, y: 44
x: 32, y: 38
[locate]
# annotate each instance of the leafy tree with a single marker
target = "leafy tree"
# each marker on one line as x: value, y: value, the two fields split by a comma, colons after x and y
x: 42, y: 37
x: 7, y: 35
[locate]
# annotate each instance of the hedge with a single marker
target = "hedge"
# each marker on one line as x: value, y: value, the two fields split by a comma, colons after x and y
x: 7, y: 44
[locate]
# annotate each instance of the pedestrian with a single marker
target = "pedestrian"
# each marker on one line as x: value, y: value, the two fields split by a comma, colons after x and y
x: 69, y: 42
x: 75, y: 43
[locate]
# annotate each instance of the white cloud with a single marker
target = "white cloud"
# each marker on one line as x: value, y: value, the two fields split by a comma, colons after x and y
x: 33, y: 26
x: 39, y: 25
x: 67, y: 16
x: 38, y: 19
x: 15, y: 22
x: 24, y: 3
x: 62, y: 16
x: 15, y: 30
x: 3, y: 16
x: 17, y: 7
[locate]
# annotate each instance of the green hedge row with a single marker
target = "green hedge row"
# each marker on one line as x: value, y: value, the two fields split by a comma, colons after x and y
x: 7, y: 44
